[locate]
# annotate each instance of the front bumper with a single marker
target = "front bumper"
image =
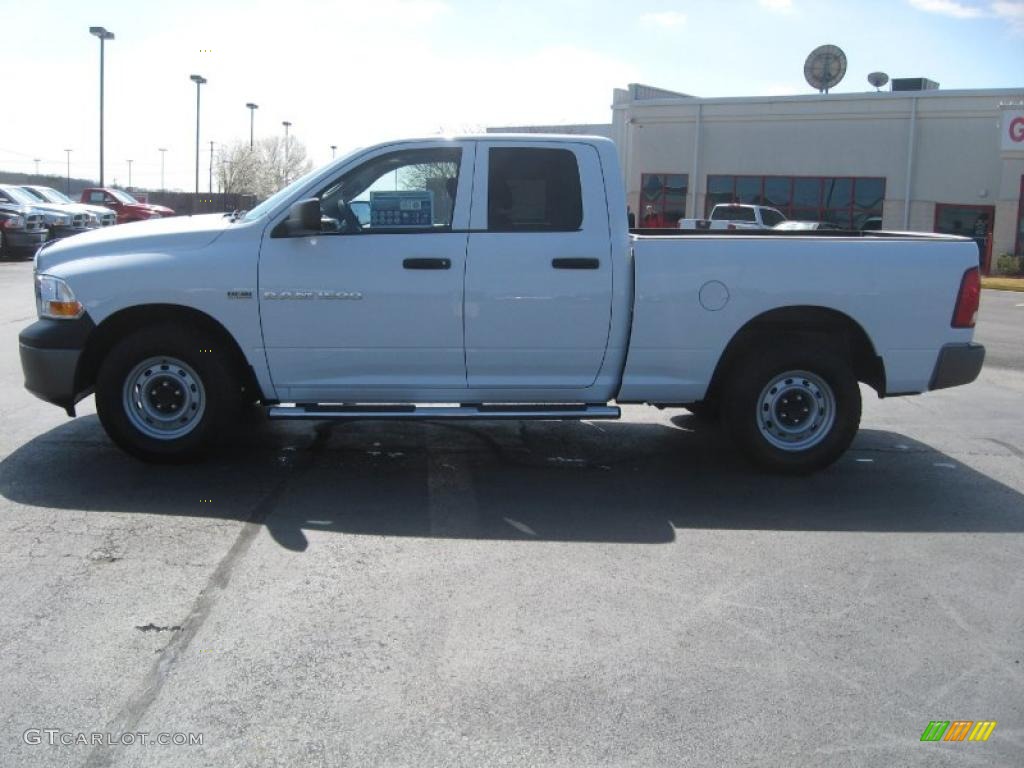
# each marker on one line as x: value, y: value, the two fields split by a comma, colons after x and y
x: 24, y: 240
x: 50, y: 352
x: 957, y: 364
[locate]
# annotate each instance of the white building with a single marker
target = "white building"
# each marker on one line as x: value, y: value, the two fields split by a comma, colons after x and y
x: 928, y: 160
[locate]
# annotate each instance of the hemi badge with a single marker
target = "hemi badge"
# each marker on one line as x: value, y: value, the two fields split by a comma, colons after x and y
x: 239, y: 294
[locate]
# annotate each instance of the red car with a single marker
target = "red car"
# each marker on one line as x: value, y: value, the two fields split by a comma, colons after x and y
x: 126, y: 206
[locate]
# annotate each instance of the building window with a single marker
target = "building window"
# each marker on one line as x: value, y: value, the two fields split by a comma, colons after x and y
x: 848, y: 202
x: 662, y: 199
x: 1019, y: 247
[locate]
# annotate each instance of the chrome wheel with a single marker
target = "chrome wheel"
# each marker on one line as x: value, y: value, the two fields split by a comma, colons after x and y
x: 164, y: 398
x: 796, y: 411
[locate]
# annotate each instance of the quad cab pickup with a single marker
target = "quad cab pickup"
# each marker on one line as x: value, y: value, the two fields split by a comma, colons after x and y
x: 736, y: 216
x: 123, y: 204
x: 496, y: 272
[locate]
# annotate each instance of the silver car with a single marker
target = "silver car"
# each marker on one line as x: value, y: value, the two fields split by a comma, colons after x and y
x: 60, y: 221
x: 100, y: 215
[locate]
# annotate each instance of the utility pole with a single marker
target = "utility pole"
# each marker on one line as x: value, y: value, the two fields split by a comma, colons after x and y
x: 163, y: 156
x: 211, y: 167
x: 36, y: 161
x: 67, y: 187
x: 129, y: 174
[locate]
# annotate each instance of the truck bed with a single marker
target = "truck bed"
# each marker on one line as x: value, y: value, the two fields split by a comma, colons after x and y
x: 797, y: 233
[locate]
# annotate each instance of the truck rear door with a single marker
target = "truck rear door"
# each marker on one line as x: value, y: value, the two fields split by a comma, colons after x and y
x: 538, y: 273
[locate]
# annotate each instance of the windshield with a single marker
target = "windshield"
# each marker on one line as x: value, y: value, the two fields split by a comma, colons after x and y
x: 35, y: 193
x: 275, y: 199
x: 18, y: 195
x: 51, y: 194
x: 124, y: 197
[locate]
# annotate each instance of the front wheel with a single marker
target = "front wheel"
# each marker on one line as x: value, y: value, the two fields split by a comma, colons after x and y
x: 165, y: 395
x: 793, y: 409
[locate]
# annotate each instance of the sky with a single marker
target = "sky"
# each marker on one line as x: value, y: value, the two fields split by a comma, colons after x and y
x: 351, y: 73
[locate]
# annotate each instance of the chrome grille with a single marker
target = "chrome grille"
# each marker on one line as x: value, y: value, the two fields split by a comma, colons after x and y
x: 79, y: 220
x: 34, y: 221
x: 108, y: 218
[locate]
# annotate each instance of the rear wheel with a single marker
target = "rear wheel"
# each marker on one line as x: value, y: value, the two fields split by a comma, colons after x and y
x: 794, y: 408
x: 162, y: 396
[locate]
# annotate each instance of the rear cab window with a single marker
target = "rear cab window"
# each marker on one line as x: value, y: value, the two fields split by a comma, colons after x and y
x: 733, y: 213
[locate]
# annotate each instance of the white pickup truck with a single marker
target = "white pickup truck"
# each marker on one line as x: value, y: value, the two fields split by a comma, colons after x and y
x: 489, y: 277
x: 736, y: 216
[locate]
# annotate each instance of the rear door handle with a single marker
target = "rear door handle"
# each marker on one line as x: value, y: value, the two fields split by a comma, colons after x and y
x: 576, y: 263
x: 427, y: 263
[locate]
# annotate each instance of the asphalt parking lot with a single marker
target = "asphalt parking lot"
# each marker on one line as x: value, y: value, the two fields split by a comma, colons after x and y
x: 574, y: 594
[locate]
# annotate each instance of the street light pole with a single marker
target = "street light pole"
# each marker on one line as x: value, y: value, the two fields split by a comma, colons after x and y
x: 333, y: 147
x: 211, y: 167
x: 198, y: 80
x: 252, y: 114
x: 103, y: 35
x: 286, y: 125
x: 163, y: 156
x: 36, y: 161
x: 67, y: 188
x: 129, y: 174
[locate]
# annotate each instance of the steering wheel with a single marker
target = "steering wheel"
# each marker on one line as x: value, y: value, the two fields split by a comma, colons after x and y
x: 349, y: 218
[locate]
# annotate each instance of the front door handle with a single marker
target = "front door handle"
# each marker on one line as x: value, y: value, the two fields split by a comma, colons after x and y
x: 576, y: 263
x: 427, y: 263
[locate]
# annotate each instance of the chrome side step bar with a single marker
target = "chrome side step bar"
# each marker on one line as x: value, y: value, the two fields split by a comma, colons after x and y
x: 503, y: 412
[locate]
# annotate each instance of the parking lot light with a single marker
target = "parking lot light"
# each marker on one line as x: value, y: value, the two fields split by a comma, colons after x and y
x: 163, y: 156
x: 67, y: 187
x: 286, y: 125
x: 103, y: 34
x: 198, y: 80
x: 252, y: 112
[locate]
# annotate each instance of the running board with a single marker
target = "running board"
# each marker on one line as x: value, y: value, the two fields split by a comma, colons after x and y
x: 531, y: 412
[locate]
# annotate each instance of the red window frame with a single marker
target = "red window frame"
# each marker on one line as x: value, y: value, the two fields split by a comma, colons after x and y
x: 1018, y: 245
x: 985, y: 261
x: 820, y: 211
x: 658, y: 220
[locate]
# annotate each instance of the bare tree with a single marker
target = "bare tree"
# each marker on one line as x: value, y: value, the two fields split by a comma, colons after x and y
x: 264, y: 169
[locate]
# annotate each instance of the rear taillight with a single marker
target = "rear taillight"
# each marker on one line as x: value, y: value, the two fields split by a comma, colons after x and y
x: 968, y: 300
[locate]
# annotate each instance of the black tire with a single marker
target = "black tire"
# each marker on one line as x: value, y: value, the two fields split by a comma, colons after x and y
x: 210, y: 374
x: 747, y: 415
x: 706, y: 411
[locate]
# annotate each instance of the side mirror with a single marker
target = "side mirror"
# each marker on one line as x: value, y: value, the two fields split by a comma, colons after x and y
x: 304, y: 218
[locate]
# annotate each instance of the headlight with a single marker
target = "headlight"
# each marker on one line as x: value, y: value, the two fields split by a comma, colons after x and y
x: 56, y: 300
x: 154, y: 215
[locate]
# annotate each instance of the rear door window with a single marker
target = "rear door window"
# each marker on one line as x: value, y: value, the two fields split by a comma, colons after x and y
x: 533, y: 190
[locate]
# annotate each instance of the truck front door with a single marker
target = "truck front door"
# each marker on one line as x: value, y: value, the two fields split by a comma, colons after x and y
x: 539, y: 272
x: 371, y: 308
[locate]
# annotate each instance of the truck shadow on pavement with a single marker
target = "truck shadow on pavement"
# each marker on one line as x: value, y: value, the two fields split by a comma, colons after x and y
x: 629, y: 482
